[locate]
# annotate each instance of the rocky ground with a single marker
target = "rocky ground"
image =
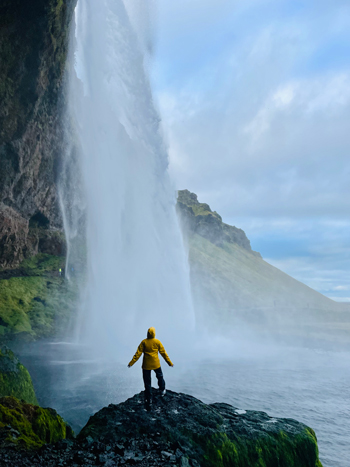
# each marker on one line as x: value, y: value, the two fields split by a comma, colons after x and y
x: 179, y: 430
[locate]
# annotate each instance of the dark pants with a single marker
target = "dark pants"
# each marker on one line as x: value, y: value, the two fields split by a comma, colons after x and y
x: 148, y: 383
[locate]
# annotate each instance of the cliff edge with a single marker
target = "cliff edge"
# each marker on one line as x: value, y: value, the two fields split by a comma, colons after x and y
x: 200, y: 219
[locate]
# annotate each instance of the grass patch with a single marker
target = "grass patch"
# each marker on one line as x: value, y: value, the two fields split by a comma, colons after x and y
x: 38, y: 302
x: 41, y: 264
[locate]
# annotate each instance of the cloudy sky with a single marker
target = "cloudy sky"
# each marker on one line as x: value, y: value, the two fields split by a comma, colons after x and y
x: 255, y: 101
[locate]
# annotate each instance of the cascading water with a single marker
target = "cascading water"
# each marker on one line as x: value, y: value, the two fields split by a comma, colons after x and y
x: 137, y: 273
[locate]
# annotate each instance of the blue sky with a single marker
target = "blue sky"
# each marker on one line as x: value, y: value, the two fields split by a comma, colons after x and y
x: 255, y: 102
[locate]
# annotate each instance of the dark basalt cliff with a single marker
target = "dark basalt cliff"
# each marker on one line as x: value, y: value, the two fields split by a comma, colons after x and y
x: 183, y: 431
x: 34, y: 37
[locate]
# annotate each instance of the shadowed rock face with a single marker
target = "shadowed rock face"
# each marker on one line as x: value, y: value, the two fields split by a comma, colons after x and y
x: 33, y: 50
x: 183, y: 431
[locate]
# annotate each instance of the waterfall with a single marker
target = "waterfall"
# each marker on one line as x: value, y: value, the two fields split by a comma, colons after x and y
x: 137, y: 273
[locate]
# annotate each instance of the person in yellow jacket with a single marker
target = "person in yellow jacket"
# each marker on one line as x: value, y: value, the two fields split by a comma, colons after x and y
x: 149, y: 348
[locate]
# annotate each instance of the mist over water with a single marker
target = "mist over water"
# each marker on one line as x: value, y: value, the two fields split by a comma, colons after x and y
x: 312, y: 386
x: 137, y: 272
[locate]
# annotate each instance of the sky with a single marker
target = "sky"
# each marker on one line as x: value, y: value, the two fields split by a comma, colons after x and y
x: 254, y: 97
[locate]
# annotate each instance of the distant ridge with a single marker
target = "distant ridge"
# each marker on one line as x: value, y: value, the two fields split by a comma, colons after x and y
x: 232, y: 284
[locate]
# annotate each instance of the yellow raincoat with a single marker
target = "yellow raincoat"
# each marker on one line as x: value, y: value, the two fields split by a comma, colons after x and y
x: 150, y: 348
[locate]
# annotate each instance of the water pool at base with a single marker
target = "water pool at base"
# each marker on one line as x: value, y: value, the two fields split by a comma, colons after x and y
x: 310, y: 386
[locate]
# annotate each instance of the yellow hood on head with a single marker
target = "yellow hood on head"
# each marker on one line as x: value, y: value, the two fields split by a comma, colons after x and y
x: 151, y: 333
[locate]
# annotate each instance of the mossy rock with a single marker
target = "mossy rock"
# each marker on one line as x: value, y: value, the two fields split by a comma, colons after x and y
x: 27, y: 426
x: 15, y: 379
x: 279, y: 450
x: 213, y: 435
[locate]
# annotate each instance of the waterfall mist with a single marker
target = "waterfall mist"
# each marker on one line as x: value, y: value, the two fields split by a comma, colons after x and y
x: 136, y: 268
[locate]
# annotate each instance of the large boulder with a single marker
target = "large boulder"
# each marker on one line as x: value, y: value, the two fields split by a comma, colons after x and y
x: 179, y: 430
x: 184, y: 431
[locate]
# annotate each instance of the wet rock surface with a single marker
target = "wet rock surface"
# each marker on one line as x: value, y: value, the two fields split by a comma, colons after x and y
x: 178, y: 430
x: 34, y: 40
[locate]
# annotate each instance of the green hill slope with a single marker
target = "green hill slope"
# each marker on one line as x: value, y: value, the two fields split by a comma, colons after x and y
x: 232, y: 284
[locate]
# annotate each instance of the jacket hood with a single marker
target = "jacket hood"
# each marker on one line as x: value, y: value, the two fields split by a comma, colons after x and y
x: 151, y: 333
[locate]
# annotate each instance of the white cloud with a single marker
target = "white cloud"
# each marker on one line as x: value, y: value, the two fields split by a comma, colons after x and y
x: 255, y: 98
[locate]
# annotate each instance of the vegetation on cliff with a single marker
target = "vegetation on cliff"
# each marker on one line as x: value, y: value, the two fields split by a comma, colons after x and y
x: 23, y: 424
x: 14, y: 378
x: 35, y: 299
x: 27, y: 426
x: 200, y: 219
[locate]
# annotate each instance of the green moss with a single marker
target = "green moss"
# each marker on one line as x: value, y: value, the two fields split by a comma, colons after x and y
x: 18, y: 385
x: 41, y: 264
x: 280, y: 450
x: 39, y: 302
x: 15, y: 379
x: 199, y: 209
x: 36, y: 426
x: 17, y: 295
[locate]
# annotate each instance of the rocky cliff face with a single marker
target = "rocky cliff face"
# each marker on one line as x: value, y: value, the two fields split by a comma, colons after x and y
x: 198, y: 218
x: 183, y: 431
x: 34, y: 38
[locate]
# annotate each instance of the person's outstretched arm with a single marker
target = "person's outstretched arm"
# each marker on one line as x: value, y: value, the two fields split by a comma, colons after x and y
x: 137, y: 355
x: 164, y: 354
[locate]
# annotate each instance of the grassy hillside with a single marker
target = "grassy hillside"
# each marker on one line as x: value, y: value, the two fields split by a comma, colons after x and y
x: 35, y: 301
x: 232, y: 285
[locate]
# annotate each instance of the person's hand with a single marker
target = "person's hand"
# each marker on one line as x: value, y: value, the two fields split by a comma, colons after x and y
x: 129, y: 366
x: 172, y: 365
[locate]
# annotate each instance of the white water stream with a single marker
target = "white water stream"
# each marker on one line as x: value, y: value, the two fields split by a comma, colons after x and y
x: 137, y: 272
